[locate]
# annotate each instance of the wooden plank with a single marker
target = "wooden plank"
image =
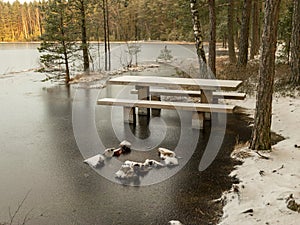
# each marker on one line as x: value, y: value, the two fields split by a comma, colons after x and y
x: 216, y: 94
x: 200, y: 107
x: 196, y: 84
x: 229, y: 95
x: 171, y: 92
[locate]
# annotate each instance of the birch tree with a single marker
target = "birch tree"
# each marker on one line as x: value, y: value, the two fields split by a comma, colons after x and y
x: 198, y: 39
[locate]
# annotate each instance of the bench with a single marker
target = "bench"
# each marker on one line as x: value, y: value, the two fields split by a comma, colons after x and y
x: 198, y: 109
x: 156, y: 93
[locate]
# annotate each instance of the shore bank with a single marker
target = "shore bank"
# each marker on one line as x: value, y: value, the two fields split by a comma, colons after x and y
x: 265, y: 185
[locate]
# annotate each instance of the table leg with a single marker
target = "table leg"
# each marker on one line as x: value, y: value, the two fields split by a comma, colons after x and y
x: 207, y: 97
x: 155, y: 112
x: 129, y: 115
x: 197, y: 120
x: 143, y: 94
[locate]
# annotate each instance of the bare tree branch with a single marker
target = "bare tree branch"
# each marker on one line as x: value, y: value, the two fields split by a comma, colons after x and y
x: 12, y: 216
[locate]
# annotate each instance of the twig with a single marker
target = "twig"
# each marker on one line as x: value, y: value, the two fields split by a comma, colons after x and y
x: 264, y: 157
x: 26, y: 217
x: 12, y: 217
x: 274, y: 171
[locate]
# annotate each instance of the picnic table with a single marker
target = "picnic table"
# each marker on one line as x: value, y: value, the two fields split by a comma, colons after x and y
x: 205, y: 88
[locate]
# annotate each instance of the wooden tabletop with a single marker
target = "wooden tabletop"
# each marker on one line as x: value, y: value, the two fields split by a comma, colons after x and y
x: 174, y: 82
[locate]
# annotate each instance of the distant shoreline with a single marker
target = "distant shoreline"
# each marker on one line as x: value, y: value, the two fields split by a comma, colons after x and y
x: 101, y: 42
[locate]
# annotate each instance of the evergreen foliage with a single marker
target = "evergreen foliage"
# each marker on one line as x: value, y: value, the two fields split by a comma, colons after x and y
x: 165, y: 55
x: 58, y: 45
x: 167, y: 20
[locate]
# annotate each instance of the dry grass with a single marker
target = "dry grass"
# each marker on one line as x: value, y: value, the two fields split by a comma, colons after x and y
x: 249, y: 75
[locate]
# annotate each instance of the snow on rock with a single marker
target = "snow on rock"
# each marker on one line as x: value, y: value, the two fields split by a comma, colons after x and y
x: 109, y: 152
x: 166, y: 152
x: 168, y: 157
x: 175, y: 222
x: 267, y: 182
x: 170, y: 161
x: 126, y: 172
x: 131, y: 170
x: 95, y: 161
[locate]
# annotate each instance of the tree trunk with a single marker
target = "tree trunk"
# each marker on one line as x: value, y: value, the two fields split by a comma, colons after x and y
x: 64, y: 46
x: 198, y: 39
x: 84, y: 44
x: 105, y: 34
x: 212, y: 40
x: 295, y: 45
x: 231, y: 50
x: 261, y: 134
x: 107, y: 30
x: 244, y: 36
x: 67, y: 77
x: 255, y: 30
x: 39, y: 21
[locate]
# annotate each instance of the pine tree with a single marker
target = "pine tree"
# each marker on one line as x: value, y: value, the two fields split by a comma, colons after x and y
x: 255, y: 35
x: 79, y: 10
x: 261, y: 134
x: 212, y: 36
x: 244, y: 38
x: 295, y: 45
x: 230, y: 16
x: 58, y: 44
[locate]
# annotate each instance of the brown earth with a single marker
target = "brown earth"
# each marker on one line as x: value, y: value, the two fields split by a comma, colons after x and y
x: 249, y: 75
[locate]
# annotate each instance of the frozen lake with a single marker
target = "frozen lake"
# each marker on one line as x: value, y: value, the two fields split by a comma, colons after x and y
x: 39, y: 154
x: 20, y: 57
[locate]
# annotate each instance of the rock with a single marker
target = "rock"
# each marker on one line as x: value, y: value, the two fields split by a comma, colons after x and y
x: 153, y: 163
x: 170, y: 161
x: 126, y: 172
x: 175, y: 222
x: 165, y: 152
x: 292, y: 204
x: 125, y: 146
x: 95, y: 161
x: 109, y: 152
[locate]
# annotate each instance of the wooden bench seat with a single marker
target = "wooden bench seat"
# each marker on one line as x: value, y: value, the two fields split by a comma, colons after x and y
x: 173, y: 92
x: 198, y: 109
x: 229, y: 95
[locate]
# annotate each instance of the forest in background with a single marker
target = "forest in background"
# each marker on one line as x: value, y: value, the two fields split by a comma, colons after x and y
x: 165, y: 20
x: 128, y: 20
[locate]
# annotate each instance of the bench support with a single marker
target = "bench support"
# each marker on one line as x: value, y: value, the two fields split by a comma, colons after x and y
x: 207, y: 97
x: 143, y: 94
x: 198, y: 120
x: 155, y: 112
x: 129, y: 115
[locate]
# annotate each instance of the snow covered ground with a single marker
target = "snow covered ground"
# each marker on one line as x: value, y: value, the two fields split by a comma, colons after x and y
x: 261, y: 196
